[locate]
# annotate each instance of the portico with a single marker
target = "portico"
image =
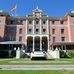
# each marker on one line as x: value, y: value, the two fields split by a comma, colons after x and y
x: 37, y: 43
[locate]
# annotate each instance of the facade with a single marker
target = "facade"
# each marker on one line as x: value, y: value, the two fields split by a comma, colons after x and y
x: 36, y: 31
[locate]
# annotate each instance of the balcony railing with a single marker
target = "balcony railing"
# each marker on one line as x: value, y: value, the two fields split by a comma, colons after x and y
x: 29, y: 32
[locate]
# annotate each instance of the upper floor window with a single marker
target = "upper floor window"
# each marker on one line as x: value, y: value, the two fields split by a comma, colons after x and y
x: 30, y: 22
x: 44, y: 22
x: 0, y: 21
x: 12, y: 22
x: 11, y: 31
x: 30, y: 30
x: 62, y: 38
x: 20, y: 21
x: 72, y: 16
x: 44, y: 30
x: 61, y: 22
x: 11, y: 38
x: 20, y: 31
x: 37, y: 30
x: 20, y: 38
x: 53, y: 31
x: 53, y: 22
x: 37, y: 22
x: 62, y: 31
x: 54, y: 39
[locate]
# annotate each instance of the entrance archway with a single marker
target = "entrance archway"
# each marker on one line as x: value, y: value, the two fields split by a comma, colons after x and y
x: 37, y: 43
x: 44, y: 43
x: 29, y: 44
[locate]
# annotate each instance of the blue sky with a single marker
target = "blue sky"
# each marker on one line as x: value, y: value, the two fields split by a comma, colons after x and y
x: 50, y: 7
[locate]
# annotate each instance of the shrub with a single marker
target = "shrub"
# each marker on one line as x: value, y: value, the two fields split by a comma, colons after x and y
x: 63, y: 54
x: 13, y: 53
x: 71, y: 54
x: 3, y: 54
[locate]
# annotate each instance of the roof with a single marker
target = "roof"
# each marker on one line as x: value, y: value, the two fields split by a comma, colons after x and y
x: 10, y: 42
x: 37, y: 10
x: 4, y: 13
x: 63, y: 43
x: 70, y: 13
x: 24, y: 18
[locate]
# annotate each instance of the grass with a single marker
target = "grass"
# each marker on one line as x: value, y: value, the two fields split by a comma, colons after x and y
x: 35, y: 72
x: 27, y: 61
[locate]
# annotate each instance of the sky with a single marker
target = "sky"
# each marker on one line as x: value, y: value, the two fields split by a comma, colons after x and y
x: 50, y: 7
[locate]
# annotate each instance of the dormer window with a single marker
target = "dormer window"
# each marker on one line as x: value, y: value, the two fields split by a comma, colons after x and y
x: 61, y: 22
x: 2, y: 15
x: 12, y: 22
x: 72, y: 16
x: 53, y: 22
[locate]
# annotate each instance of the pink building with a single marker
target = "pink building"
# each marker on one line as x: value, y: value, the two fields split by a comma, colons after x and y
x: 36, y: 31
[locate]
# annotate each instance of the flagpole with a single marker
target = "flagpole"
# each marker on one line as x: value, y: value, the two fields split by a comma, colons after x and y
x: 16, y: 10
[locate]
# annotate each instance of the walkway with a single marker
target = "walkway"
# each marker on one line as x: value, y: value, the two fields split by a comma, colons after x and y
x: 36, y: 67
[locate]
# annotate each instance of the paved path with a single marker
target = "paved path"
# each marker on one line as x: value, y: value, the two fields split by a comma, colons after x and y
x: 36, y: 67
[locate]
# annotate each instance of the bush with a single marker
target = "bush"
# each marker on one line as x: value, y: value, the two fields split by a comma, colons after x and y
x: 3, y: 54
x: 71, y: 54
x: 63, y: 54
x: 13, y: 53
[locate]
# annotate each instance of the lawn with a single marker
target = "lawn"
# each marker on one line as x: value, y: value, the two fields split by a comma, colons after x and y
x: 35, y: 72
x: 28, y: 61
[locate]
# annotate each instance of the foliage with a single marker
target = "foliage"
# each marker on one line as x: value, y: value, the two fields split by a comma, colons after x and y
x: 13, y: 53
x: 71, y: 54
x: 63, y: 54
x: 3, y: 54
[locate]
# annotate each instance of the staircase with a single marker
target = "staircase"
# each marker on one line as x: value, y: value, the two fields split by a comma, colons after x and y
x: 48, y: 55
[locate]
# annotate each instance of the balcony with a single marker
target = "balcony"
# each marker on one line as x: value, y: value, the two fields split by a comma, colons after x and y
x: 44, y: 32
x: 29, y: 32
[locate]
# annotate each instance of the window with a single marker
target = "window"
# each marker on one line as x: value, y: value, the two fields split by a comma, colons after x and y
x: 53, y: 31
x: 54, y: 39
x: 37, y: 30
x: 20, y: 38
x: 30, y: 22
x: 11, y: 38
x: 12, y: 22
x: 20, y: 31
x: 61, y: 22
x: 72, y: 16
x: 30, y: 30
x: 20, y: 21
x: 37, y: 22
x: 62, y: 38
x: 0, y: 21
x: 53, y: 22
x: 62, y: 31
x: 44, y: 22
x: 11, y: 31
x: 44, y: 30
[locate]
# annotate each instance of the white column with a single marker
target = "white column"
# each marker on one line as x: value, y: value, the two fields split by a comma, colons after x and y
x: 52, y: 47
x: 47, y: 27
x: 26, y: 25
x: 33, y: 43
x: 48, y: 44
x: 26, y: 44
x: 33, y: 26
x: 40, y: 26
x: 22, y: 47
x: 40, y: 43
